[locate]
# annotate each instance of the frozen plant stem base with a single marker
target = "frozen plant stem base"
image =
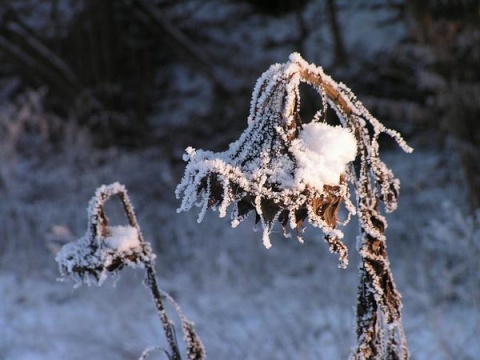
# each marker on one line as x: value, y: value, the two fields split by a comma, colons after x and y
x: 105, y: 250
x: 268, y: 172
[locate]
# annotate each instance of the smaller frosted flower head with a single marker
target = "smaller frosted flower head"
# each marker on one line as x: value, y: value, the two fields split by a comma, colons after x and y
x: 104, y: 249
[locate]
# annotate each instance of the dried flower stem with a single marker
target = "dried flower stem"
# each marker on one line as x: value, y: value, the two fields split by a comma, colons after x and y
x: 151, y: 281
x: 100, y: 224
x: 376, y: 291
x: 166, y: 323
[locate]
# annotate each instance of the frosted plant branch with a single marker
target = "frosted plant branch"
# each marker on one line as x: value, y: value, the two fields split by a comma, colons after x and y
x: 287, y: 171
x: 105, y: 250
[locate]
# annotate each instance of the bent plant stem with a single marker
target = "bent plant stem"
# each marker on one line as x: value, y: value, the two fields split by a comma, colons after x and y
x: 377, y: 306
x: 157, y: 298
x: 378, y: 300
x: 151, y: 281
x: 105, y: 250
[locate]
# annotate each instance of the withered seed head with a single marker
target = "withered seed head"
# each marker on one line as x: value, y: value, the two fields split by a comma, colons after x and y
x: 285, y: 170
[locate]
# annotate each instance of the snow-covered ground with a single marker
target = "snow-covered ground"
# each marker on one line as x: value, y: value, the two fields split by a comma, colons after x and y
x: 288, y: 302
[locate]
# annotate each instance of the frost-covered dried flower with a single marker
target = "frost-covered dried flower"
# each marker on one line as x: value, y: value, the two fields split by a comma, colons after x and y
x: 288, y: 171
x: 104, y: 249
x: 281, y: 168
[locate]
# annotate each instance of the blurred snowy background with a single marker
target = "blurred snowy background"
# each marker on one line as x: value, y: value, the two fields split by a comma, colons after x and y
x: 93, y: 92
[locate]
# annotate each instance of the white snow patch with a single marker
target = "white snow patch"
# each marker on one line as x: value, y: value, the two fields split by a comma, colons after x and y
x: 322, y: 153
x: 123, y: 238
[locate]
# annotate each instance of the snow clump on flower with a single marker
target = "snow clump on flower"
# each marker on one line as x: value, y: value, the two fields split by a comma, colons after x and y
x: 322, y: 153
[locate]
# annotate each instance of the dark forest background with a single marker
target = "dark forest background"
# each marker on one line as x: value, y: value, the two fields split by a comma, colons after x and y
x: 138, y: 73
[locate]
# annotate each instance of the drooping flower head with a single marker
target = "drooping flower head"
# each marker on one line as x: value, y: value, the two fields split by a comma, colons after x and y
x: 281, y: 168
x: 104, y: 249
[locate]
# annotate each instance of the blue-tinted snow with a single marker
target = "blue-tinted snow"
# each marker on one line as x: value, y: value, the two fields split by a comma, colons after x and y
x: 246, y: 302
